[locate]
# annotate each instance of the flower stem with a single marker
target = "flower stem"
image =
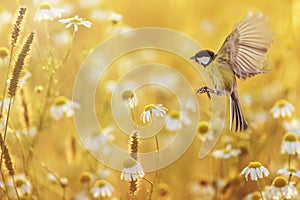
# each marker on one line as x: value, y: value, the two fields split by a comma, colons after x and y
x: 151, y: 188
x: 70, y: 47
x: 260, y: 191
x: 289, y: 161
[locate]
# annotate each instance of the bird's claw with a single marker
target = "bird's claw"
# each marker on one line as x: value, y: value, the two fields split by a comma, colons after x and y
x: 204, y: 89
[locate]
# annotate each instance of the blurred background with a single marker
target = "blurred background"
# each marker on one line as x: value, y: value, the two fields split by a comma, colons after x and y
x: 55, y: 148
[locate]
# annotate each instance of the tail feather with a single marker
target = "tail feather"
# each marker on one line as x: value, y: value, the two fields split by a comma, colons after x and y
x: 236, y: 114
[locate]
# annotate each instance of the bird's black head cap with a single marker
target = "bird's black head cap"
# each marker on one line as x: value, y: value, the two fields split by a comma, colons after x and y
x: 204, y: 57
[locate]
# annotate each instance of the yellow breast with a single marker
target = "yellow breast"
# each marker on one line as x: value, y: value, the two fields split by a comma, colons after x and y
x: 222, y: 76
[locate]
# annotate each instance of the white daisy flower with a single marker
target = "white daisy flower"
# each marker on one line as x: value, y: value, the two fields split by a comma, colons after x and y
x: 76, y: 21
x: 4, y: 53
x: 27, y: 132
x: 282, y: 108
x: 253, y: 196
x: 289, y: 172
x: 62, y: 38
x: 83, y: 195
x: 25, y: 75
x: 22, y: 184
x: 55, y: 179
x: 292, y: 126
x: 5, y: 103
x: 47, y: 12
x: 4, y: 56
x: 201, y: 190
x: 175, y: 120
x: 115, y: 18
x: 226, y: 153
x: 101, y: 15
x: 130, y: 98
x: 5, y: 18
x: 99, y: 141
x: 63, y: 105
x: 86, y: 178
x: 119, y: 29
x: 202, y: 130
x: 132, y: 169
x: 290, y: 144
x: 255, y: 170
x: 102, y: 189
x: 110, y: 86
x: 156, y: 109
x: 280, y: 189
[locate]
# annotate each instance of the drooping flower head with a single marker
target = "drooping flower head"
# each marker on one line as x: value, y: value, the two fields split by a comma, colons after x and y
x: 255, y: 170
x: 282, y: 108
x: 47, y: 12
x: 290, y: 144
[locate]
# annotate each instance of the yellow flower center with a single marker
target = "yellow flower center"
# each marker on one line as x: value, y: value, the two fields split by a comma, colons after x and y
x: 76, y: 20
x: 59, y: 101
x: 162, y: 189
x: 129, y: 162
x: 19, y: 182
x: 149, y: 107
x: 281, y: 103
x: 4, y: 52
x: 127, y: 94
x: 290, y: 137
x: 174, y: 114
x: 255, y: 196
x: 203, y: 127
x: 100, y: 183
x: 254, y: 164
x: 45, y: 6
x: 291, y: 170
x: 279, y: 182
x: 86, y: 177
x: 226, y: 151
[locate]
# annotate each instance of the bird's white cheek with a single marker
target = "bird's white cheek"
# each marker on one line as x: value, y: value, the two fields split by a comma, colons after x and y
x: 203, y: 60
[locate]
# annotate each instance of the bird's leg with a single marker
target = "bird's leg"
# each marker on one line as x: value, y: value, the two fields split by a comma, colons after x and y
x: 206, y: 90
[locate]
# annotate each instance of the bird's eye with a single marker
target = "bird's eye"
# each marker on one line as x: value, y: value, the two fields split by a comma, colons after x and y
x: 204, y: 60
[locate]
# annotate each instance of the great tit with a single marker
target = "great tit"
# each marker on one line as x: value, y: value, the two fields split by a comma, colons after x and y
x: 241, y: 55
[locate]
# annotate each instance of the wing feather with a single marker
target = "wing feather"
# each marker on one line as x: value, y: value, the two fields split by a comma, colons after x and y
x: 246, y: 47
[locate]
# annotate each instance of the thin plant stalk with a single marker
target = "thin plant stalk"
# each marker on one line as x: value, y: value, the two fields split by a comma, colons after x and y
x: 5, y: 131
x: 6, y: 77
x: 151, y: 188
x: 70, y: 47
x: 260, y: 191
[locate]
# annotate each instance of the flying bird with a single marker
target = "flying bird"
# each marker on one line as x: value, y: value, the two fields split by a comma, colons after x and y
x: 241, y: 56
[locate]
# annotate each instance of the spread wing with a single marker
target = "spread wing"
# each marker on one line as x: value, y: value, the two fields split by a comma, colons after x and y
x: 245, y: 48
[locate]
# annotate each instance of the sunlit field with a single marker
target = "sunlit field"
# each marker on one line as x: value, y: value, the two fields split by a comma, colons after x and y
x: 142, y: 132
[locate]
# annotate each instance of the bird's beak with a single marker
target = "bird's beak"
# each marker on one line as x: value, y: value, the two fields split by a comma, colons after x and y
x: 193, y: 57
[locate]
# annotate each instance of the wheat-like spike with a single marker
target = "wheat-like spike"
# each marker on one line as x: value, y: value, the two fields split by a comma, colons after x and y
x: 134, y: 145
x: 19, y: 65
x: 7, y: 157
x: 133, y: 187
x: 8, y: 161
x: 18, y: 25
x: 25, y: 109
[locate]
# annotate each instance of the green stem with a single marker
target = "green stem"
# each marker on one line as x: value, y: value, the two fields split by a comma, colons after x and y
x: 5, y: 186
x: 5, y: 131
x: 289, y: 161
x: 15, y: 187
x: 260, y: 191
x: 151, y: 188
x: 70, y: 47
x: 290, y: 178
